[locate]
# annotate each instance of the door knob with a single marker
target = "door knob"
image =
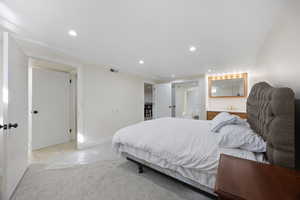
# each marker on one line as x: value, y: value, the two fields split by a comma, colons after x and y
x: 10, y: 125
x: 4, y: 126
x: 35, y: 112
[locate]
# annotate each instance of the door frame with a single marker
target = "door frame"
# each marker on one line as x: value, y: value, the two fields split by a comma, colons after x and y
x: 79, y: 111
x: 156, y: 98
x: 79, y: 71
x: 202, y: 83
x: 153, y: 98
x: 73, y: 75
x: 174, y: 85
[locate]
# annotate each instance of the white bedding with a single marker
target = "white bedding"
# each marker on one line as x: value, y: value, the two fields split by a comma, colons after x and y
x: 182, y: 145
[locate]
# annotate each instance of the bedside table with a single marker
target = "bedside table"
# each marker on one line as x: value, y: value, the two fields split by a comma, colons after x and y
x: 249, y: 180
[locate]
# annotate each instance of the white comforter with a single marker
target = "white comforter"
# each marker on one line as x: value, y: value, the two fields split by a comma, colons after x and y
x: 175, y: 143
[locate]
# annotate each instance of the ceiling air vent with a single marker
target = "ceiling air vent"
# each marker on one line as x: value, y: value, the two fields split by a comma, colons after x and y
x: 114, y: 70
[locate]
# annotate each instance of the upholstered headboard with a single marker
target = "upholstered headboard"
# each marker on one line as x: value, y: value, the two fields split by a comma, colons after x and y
x: 271, y: 114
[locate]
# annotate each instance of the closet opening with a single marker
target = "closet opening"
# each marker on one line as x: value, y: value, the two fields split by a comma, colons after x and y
x: 53, y: 110
x: 148, y: 101
x: 186, y: 100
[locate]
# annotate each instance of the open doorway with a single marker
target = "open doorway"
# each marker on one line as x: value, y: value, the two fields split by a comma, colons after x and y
x: 186, y: 97
x: 53, y: 110
x: 148, y: 101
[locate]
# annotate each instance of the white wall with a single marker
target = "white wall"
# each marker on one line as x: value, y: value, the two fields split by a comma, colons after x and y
x: 179, y: 100
x: 148, y: 97
x: 278, y: 61
x: 192, y: 101
x: 226, y: 104
x: 202, y: 97
x: 148, y: 94
x: 107, y: 102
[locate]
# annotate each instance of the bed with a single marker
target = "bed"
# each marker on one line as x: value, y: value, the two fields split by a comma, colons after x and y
x: 187, y: 150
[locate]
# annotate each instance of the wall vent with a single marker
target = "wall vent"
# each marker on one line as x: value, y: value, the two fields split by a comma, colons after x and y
x: 114, y: 70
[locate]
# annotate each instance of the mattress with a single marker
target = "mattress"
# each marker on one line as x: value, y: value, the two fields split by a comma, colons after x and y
x: 184, y: 146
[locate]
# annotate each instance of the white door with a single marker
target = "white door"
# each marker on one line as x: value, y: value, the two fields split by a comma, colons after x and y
x: 163, y: 100
x: 14, y: 115
x: 50, y: 108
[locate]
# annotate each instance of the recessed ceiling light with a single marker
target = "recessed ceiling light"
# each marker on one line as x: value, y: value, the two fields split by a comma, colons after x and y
x: 209, y: 70
x: 141, y: 62
x: 173, y: 75
x: 72, y: 33
x: 192, y: 48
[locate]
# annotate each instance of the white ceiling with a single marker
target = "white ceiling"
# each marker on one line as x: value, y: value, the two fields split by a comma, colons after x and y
x: 51, y: 65
x: 227, y: 33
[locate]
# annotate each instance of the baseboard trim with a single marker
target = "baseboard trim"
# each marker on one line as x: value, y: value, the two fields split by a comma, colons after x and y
x: 13, y: 193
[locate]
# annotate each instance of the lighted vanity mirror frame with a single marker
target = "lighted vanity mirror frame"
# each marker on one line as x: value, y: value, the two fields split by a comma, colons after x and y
x: 243, y: 76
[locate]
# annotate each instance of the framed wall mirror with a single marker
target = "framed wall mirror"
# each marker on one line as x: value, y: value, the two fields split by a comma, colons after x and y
x: 228, y: 86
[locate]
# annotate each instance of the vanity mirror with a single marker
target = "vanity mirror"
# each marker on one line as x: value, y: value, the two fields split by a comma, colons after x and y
x: 231, y: 85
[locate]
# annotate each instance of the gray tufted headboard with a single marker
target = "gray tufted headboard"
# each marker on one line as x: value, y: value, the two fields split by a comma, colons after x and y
x: 271, y: 114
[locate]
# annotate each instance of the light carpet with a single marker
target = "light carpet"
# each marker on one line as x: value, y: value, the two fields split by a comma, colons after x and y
x: 107, y: 179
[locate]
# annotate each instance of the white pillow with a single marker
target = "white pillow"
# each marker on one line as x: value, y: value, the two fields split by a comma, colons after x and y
x: 222, y: 119
x: 240, y: 136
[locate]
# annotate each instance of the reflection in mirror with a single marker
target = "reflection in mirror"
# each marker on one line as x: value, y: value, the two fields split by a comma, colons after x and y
x: 231, y: 87
x: 228, y: 86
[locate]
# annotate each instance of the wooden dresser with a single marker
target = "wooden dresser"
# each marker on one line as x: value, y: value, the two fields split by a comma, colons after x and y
x: 211, y: 114
x: 249, y: 180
